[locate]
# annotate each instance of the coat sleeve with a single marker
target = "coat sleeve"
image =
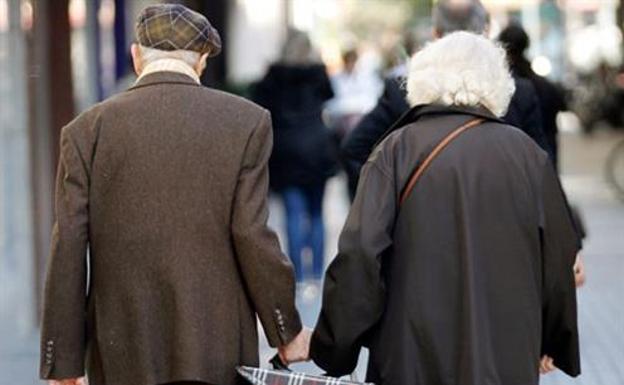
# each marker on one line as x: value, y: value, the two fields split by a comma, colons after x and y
x: 267, y: 272
x: 64, y: 310
x: 354, y: 292
x: 560, y: 244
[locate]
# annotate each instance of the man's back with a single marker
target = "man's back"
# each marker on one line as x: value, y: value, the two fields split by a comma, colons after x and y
x: 168, y: 182
x: 166, y: 161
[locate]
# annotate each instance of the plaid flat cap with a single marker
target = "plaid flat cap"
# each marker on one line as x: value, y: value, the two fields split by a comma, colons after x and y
x: 171, y: 27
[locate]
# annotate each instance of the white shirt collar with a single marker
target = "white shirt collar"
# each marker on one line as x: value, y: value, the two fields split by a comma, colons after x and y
x: 170, y: 65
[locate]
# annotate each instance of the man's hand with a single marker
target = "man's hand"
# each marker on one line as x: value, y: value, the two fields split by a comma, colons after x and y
x: 579, y: 271
x: 547, y: 365
x: 69, y: 381
x: 298, y: 349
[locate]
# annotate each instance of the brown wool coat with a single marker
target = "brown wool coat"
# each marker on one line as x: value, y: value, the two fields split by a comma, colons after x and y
x: 166, y: 186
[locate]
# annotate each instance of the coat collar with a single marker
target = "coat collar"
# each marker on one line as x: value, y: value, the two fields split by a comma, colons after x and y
x: 164, y: 77
x: 171, y: 65
x: 416, y: 112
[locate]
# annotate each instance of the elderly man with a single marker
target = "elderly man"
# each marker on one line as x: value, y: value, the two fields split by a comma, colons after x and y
x: 166, y: 186
x: 448, y: 16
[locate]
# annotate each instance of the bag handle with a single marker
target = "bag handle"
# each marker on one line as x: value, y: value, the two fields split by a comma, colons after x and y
x: 417, y: 173
x: 278, y: 364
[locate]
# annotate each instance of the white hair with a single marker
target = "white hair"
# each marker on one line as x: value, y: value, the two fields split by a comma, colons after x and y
x: 461, y: 68
x: 149, y: 55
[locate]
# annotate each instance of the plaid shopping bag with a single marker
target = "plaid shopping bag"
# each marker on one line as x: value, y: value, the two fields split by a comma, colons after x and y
x: 259, y: 376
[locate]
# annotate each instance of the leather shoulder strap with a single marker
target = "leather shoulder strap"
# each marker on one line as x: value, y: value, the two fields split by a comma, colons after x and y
x: 417, y: 173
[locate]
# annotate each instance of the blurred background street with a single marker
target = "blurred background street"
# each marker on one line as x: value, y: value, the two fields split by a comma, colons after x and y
x: 57, y: 58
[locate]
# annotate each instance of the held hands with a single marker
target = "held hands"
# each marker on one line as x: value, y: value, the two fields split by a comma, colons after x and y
x: 69, y: 381
x: 298, y: 349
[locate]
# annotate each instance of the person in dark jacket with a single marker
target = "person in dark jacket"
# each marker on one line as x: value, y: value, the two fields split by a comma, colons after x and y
x: 449, y: 16
x: 551, y: 98
x: 295, y: 91
x: 464, y: 277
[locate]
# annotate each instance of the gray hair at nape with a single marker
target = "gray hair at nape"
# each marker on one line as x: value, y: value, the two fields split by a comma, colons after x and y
x: 462, y: 69
x: 460, y: 15
x: 150, y: 55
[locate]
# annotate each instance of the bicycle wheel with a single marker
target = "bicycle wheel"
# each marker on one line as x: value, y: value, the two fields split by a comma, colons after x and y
x: 615, y: 169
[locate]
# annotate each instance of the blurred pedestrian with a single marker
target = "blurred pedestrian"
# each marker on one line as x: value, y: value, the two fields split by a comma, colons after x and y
x: 448, y: 16
x: 166, y: 186
x: 455, y: 263
x: 295, y: 90
x: 356, y: 92
x: 551, y: 98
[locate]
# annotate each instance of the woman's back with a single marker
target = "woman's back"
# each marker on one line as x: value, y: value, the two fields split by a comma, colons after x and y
x: 463, y: 282
x: 467, y: 263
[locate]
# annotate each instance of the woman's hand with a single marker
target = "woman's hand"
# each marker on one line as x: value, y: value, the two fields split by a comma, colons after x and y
x: 579, y: 271
x: 547, y: 365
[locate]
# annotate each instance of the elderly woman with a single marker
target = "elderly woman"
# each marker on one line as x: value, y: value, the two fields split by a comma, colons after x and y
x: 455, y: 264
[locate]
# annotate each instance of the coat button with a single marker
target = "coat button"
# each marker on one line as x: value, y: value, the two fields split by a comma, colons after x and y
x: 50, y: 342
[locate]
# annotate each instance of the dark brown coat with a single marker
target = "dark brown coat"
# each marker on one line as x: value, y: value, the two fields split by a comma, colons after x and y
x: 166, y: 186
x: 470, y: 280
